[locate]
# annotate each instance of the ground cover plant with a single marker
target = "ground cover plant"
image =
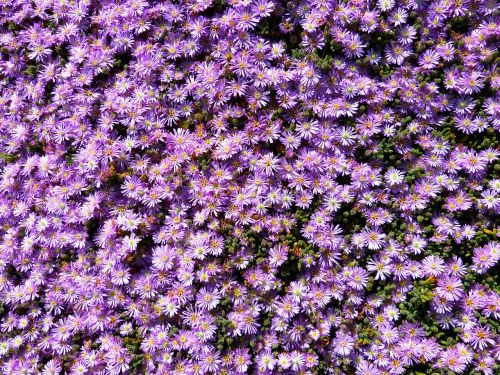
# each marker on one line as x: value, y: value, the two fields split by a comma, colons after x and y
x: 249, y: 187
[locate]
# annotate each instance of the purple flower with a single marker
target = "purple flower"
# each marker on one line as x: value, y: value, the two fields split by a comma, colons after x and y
x: 248, y: 186
x: 450, y: 288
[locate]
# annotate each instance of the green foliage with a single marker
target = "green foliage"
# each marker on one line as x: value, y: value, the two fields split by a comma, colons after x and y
x: 133, y: 344
x: 415, y: 305
x: 32, y: 70
x: 9, y: 158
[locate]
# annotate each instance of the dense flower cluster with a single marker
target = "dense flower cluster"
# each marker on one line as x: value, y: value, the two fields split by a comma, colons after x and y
x: 249, y: 186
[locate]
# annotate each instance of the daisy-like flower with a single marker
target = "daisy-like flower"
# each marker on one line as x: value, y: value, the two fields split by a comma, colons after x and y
x: 396, y: 54
x: 343, y: 344
x: 374, y: 239
x: 163, y: 258
x: 266, y: 361
x: 307, y: 129
x: 407, y: 34
x: 429, y: 59
x: 52, y: 367
x: 481, y: 337
x: 284, y: 361
x: 485, y: 257
x: 210, y: 361
x: 130, y: 242
x: 489, y: 199
x: 207, y: 298
x: 471, y: 82
x: 399, y: 17
x: 120, y: 276
x: 380, y: 266
x: 474, y: 163
x: 346, y: 136
x: 241, y: 360
x: 456, y: 267
x: 268, y: 164
x: 298, y: 290
x: 39, y: 52
x: 433, y: 265
x: 450, y: 288
x: 389, y: 334
x: 358, y: 278
x: 354, y: 46
x: 126, y: 328
x: 278, y: 255
x: 394, y: 176
x: 417, y: 245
